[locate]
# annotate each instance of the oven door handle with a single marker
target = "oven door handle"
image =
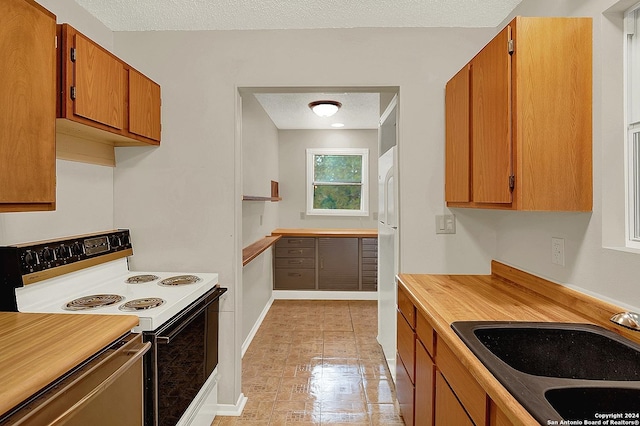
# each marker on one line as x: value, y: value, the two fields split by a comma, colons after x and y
x: 165, y: 340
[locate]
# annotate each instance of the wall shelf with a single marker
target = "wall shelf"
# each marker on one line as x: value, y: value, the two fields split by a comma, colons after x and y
x: 252, y: 251
x: 275, y: 195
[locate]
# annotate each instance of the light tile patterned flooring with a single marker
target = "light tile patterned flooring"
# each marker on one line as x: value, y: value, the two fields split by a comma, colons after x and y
x: 317, y: 363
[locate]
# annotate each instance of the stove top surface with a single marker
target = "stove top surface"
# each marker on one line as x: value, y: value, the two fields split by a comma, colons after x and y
x: 114, y: 279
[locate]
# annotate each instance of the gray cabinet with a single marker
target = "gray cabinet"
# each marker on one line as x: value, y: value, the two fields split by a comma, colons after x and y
x: 325, y: 263
x: 338, y: 264
x: 294, y: 264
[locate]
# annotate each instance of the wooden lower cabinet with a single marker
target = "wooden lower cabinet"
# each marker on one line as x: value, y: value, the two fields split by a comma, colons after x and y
x: 405, y: 392
x: 448, y: 410
x: 425, y: 387
x: 338, y: 264
x: 433, y: 386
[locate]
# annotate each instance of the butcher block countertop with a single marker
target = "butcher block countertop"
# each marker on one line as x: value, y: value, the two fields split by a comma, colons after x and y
x: 36, y: 349
x: 507, y: 294
x: 326, y: 232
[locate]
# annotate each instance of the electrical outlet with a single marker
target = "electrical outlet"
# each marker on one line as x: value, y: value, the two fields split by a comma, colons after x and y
x: 557, y: 251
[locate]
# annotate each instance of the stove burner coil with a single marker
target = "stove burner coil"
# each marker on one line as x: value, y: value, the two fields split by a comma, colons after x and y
x: 142, y: 304
x: 138, y: 279
x: 93, y: 301
x: 180, y: 280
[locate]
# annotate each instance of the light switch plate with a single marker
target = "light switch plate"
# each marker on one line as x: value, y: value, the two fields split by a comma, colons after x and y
x: 445, y: 224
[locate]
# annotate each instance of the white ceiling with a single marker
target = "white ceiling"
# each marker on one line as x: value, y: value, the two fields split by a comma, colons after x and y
x: 289, y: 110
x: 157, y: 15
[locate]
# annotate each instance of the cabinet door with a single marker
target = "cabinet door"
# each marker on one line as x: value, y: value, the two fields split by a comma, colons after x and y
x: 491, y: 121
x: 449, y: 412
x: 27, y: 107
x: 425, y: 387
x: 338, y: 264
x: 405, y: 393
x: 99, y: 84
x: 457, y: 148
x: 144, y: 106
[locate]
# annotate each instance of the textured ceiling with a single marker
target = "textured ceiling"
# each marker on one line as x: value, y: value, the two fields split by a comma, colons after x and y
x: 291, y: 111
x: 149, y: 15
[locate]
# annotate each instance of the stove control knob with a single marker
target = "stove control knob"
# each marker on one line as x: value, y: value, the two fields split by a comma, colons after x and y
x: 114, y: 241
x: 76, y: 249
x: 47, y: 254
x: 30, y: 258
x: 125, y: 239
x: 63, y: 252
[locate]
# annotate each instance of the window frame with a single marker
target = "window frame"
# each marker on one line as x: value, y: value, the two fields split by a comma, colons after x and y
x: 364, y: 199
x: 632, y: 133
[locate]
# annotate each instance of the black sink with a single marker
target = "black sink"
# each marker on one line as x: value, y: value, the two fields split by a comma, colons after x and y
x: 587, y: 403
x: 559, y: 371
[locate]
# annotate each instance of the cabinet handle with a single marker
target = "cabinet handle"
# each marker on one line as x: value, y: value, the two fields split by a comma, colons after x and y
x: 295, y: 251
x: 295, y: 241
x: 295, y: 262
x: 322, y: 263
x: 295, y: 274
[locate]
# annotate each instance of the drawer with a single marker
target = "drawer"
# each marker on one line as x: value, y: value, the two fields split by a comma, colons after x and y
x: 406, y: 346
x: 370, y: 242
x: 463, y: 384
x: 296, y: 252
x: 294, y: 279
x: 296, y: 242
x: 406, y: 307
x: 425, y: 333
x: 369, y: 267
x: 296, y: 262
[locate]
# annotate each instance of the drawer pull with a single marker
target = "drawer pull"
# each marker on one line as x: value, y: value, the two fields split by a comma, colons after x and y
x: 295, y: 251
x: 295, y: 262
x: 295, y: 241
x: 295, y: 274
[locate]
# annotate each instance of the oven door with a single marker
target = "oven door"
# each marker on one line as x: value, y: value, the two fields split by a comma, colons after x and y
x: 184, y: 353
x: 105, y: 391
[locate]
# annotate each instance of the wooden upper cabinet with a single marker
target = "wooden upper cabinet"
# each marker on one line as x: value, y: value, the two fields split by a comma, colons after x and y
x: 491, y: 118
x: 530, y: 127
x: 98, y: 87
x: 103, y: 102
x: 457, y: 153
x: 144, y: 106
x: 27, y: 107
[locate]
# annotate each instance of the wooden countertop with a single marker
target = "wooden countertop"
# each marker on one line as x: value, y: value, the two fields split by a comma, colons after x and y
x: 507, y: 294
x: 36, y: 349
x: 326, y: 232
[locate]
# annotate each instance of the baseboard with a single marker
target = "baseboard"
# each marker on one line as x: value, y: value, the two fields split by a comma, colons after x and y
x: 324, y: 295
x: 256, y: 326
x: 232, y: 410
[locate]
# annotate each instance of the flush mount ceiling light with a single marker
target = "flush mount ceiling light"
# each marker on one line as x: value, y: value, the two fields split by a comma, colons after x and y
x: 325, y: 108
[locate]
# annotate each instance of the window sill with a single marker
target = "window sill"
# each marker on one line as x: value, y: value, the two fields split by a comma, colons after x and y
x: 624, y: 249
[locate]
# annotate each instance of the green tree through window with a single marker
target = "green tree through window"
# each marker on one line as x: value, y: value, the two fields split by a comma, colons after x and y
x: 338, y: 183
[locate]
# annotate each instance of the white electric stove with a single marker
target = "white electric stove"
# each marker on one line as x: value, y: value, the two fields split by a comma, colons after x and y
x: 155, y: 297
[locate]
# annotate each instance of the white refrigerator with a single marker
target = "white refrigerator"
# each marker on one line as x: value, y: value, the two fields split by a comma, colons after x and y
x: 387, y: 253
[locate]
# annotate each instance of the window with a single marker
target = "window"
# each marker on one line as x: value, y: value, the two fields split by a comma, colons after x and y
x: 338, y: 182
x: 632, y: 104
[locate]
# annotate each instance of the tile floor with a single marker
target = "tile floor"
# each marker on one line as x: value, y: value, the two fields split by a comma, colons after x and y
x: 317, y: 363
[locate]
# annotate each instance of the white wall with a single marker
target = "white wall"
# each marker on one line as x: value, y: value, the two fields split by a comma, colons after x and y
x: 84, y: 192
x: 259, y: 218
x: 524, y: 239
x: 181, y: 200
x: 293, y: 176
